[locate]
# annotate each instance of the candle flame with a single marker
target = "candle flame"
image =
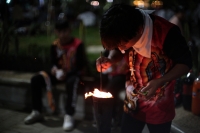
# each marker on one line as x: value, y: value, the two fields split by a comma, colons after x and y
x: 99, y: 94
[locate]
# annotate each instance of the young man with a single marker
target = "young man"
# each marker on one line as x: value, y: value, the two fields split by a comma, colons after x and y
x: 156, y: 53
x: 68, y: 59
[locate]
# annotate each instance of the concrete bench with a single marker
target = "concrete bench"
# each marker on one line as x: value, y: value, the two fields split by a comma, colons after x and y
x: 15, y: 89
x: 15, y: 93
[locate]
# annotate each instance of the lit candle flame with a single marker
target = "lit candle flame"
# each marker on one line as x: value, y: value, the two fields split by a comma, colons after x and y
x: 99, y: 94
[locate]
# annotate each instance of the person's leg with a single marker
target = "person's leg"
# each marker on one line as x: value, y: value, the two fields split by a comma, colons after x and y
x: 49, y: 81
x: 131, y: 125
x: 37, y: 83
x: 159, y: 128
x: 71, y: 89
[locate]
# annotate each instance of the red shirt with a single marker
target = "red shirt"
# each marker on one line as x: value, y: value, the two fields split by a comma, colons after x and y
x: 160, y: 108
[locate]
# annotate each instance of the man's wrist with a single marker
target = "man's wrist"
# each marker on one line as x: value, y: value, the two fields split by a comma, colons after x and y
x: 162, y: 81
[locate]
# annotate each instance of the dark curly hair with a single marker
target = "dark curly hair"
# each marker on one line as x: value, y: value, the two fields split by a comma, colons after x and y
x: 119, y: 23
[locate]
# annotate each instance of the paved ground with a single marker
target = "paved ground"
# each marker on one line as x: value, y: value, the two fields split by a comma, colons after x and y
x: 11, y: 121
x: 186, y: 121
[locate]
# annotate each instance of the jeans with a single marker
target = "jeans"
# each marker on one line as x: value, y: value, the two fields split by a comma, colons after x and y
x: 132, y: 125
x: 38, y: 84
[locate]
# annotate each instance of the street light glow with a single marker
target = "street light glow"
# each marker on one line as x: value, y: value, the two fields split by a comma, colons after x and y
x: 8, y: 1
x: 139, y: 3
x: 94, y: 3
x: 109, y: 1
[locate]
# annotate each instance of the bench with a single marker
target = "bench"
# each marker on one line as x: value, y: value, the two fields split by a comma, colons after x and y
x: 15, y: 94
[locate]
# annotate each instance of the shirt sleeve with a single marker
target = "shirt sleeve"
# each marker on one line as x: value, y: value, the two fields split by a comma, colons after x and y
x: 176, y: 48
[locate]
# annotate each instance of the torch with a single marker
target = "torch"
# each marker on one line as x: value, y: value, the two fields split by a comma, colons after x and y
x: 103, y: 106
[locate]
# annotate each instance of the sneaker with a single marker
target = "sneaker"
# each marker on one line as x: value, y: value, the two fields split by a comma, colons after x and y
x: 35, y: 116
x: 68, y: 124
x: 94, y: 124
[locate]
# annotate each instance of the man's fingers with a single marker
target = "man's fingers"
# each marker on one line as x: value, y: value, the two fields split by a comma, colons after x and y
x: 102, y: 64
x: 144, y: 89
x: 101, y: 67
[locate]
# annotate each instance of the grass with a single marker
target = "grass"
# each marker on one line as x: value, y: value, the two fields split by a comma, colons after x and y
x: 38, y: 45
x: 89, y: 35
x: 34, y: 50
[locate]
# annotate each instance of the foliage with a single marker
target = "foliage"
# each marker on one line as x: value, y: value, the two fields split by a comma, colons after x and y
x: 33, y: 53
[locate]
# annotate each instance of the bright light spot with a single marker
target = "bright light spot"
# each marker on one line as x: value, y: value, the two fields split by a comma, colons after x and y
x: 61, y: 16
x: 94, y: 3
x: 188, y: 74
x: 109, y: 1
x: 8, y: 1
x: 41, y: 2
x: 99, y: 94
x: 156, y: 4
x: 139, y: 3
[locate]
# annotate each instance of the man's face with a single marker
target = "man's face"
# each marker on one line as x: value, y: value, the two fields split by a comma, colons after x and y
x: 63, y: 34
x: 130, y: 43
x: 126, y: 45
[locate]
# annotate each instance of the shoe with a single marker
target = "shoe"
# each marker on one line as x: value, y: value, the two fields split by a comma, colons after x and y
x: 34, y: 117
x: 94, y: 124
x: 68, y: 124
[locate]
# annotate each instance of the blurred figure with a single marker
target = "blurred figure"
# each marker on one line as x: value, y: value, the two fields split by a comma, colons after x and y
x: 179, y: 19
x: 17, y: 13
x: 196, y: 22
x: 164, y: 12
x: 195, y: 35
x: 88, y: 18
x: 68, y: 63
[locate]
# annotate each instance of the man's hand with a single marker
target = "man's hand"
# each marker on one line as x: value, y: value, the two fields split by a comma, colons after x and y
x: 129, y: 92
x: 103, y: 63
x: 151, y: 88
x: 53, y: 70
x: 60, y: 75
x: 177, y: 71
